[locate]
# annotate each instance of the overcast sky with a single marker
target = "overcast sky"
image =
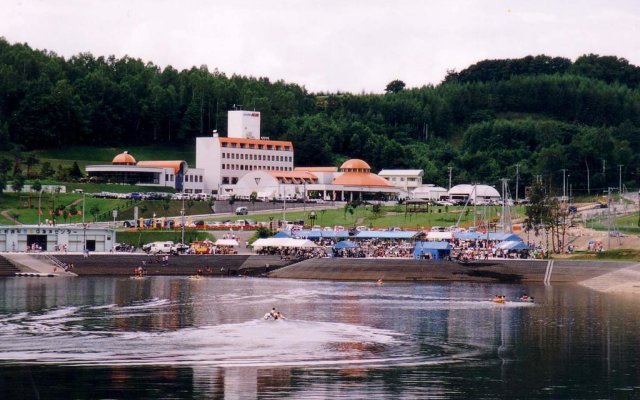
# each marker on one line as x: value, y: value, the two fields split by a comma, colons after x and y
x: 327, y: 45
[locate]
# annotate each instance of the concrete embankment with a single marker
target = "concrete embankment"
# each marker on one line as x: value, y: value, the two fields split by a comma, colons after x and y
x: 598, y: 275
x: 507, y: 271
x: 125, y: 263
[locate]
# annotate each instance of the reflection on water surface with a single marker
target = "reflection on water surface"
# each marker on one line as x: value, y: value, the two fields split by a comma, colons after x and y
x: 171, y: 337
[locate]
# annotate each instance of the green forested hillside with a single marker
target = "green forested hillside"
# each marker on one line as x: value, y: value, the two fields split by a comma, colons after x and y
x: 544, y: 114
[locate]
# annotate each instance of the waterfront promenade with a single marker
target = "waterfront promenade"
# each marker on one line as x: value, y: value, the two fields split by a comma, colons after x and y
x: 599, y: 275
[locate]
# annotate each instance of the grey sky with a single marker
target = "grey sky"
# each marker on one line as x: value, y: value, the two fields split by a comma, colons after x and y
x: 326, y: 45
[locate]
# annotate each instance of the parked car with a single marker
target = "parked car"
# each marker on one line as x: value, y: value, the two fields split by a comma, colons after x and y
x: 242, y: 211
x: 130, y: 224
x: 179, y: 248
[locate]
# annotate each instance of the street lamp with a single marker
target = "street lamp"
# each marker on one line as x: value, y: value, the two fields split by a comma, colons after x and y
x: 271, y: 225
x: 84, y: 236
x: 312, y: 217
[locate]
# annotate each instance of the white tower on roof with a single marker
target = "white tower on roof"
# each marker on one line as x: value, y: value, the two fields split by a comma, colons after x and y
x: 243, y: 124
x: 226, y: 159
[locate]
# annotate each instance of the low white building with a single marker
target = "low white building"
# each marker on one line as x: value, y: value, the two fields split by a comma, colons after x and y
x: 476, y: 194
x: 75, y: 238
x: 124, y: 169
x: 429, y: 192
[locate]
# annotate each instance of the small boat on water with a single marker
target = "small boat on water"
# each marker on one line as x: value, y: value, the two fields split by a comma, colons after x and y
x: 526, y: 299
x: 499, y: 299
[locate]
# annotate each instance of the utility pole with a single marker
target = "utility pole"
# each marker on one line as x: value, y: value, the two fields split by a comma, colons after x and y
x: 450, y: 169
x: 564, y: 185
x: 517, y: 180
x: 620, y: 181
x: 182, y: 218
x: 608, y: 218
x: 506, y: 213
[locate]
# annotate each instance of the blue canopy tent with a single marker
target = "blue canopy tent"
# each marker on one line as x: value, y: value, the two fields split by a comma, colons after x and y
x: 513, y: 245
x: 281, y: 234
x: 432, y: 250
x: 406, y: 235
x: 468, y: 236
x: 318, y: 234
x: 345, y: 244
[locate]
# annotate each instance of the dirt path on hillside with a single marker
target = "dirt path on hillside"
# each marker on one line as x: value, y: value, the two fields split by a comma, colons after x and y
x: 7, y: 215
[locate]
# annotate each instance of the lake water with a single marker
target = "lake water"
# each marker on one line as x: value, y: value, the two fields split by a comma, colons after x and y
x: 180, y: 338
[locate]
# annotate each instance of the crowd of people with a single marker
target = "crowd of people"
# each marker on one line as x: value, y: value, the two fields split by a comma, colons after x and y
x: 377, y: 248
x: 294, y: 253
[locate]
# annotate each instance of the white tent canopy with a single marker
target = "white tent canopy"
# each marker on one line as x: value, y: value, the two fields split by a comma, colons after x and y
x: 283, y: 242
x: 439, y: 236
x: 226, y: 242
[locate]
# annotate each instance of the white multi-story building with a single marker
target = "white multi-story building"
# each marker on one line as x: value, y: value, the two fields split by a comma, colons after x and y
x: 405, y: 179
x: 225, y: 160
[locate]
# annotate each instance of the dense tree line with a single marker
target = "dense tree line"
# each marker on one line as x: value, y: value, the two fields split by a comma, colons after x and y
x: 544, y: 114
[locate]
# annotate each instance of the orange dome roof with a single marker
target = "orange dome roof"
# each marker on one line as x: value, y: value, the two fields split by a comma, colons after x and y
x: 361, y: 179
x: 124, y: 158
x: 355, y: 165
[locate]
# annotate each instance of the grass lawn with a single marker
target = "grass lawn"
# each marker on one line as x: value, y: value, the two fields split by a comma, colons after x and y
x: 24, y: 207
x: 616, y: 254
x: 85, y: 155
x: 139, y: 238
x: 626, y: 224
x: 390, y: 216
x: 96, y: 155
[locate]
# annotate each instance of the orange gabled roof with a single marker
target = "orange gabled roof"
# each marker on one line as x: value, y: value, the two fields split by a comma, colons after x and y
x: 255, y: 141
x: 316, y: 169
x: 361, y: 179
x: 175, y: 164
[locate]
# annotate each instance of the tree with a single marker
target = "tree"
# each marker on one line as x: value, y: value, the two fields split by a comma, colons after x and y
x: 535, y: 212
x: 395, y: 86
x: 166, y: 204
x: 46, y: 171
x: 95, y: 210
x: 75, y: 172
x: 18, y: 183
x: 37, y: 186
x: 30, y: 160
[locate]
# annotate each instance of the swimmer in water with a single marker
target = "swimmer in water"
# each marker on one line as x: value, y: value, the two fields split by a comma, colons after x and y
x: 271, y: 314
x: 379, y: 282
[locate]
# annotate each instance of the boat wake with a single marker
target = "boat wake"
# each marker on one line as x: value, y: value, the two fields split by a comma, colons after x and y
x: 108, y: 335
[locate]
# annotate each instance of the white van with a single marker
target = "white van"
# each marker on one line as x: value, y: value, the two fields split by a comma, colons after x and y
x: 159, y: 247
x: 242, y: 211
